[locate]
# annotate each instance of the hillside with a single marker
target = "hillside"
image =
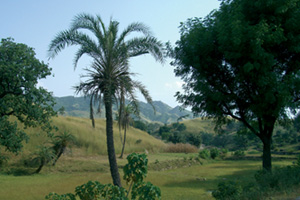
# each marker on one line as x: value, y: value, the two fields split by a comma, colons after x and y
x: 164, y: 114
x: 93, y: 141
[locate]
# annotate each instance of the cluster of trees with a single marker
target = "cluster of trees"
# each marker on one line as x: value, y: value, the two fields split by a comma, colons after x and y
x: 176, y: 133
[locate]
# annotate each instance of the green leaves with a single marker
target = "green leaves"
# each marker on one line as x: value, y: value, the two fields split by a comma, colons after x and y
x: 54, y: 196
x: 20, y: 72
x: 242, y: 61
x: 145, y: 191
x: 136, y: 169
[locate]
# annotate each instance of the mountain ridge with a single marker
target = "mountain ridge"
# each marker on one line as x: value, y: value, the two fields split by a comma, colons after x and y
x: 163, y: 113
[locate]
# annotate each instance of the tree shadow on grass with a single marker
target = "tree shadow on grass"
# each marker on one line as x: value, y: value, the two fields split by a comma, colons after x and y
x: 19, y: 171
x: 210, y: 184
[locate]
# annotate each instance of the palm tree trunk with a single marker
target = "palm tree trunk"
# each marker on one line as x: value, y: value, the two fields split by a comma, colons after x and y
x: 110, y: 143
x: 40, y: 167
x: 58, y: 155
x: 121, y: 156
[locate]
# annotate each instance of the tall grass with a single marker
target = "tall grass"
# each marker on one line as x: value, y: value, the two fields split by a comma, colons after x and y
x: 93, y: 140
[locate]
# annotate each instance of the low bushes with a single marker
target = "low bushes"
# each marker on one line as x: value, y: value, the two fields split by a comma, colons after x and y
x: 213, y: 153
x: 266, y: 184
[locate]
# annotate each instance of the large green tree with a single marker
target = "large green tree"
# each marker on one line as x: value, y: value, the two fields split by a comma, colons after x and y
x: 242, y: 62
x: 20, y: 97
x: 110, y: 52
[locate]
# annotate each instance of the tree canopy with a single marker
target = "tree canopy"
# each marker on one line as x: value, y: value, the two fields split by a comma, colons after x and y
x: 20, y: 97
x: 242, y: 61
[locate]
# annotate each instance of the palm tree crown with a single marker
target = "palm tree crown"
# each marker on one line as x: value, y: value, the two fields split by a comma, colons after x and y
x: 108, y: 77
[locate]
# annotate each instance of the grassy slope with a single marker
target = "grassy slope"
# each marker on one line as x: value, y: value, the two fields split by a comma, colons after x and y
x: 92, y: 141
x: 198, y: 124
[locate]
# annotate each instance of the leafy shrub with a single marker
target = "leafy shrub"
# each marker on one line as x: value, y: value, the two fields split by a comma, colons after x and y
x: 145, y: 191
x: 239, y: 154
x: 181, y: 148
x: 204, y: 154
x: 194, y: 139
x: 223, y: 153
x: 228, y: 191
x: 54, y: 196
x: 214, y: 153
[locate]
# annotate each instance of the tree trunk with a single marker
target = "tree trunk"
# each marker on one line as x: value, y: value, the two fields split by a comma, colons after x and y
x: 58, y: 155
x: 40, y: 167
x: 110, y: 143
x: 121, y: 156
x: 267, y: 158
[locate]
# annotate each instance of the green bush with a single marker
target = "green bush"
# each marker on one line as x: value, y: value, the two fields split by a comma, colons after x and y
x: 239, y: 154
x: 281, y: 180
x: 204, y: 154
x: 214, y: 153
x: 228, y: 191
x: 223, y: 153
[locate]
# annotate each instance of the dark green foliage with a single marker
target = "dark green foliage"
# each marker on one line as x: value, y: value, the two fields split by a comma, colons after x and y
x: 214, y: 153
x: 193, y: 139
x: 242, y: 61
x: 207, y: 138
x: 177, y: 137
x: 20, y: 72
x: 222, y: 140
x: 54, y: 196
x: 136, y: 169
x: 223, y: 153
x: 145, y: 191
x: 140, y: 125
x: 238, y: 154
x: 205, y: 154
x: 94, y: 190
x: 228, y: 191
x: 10, y: 136
x: 176, y: 133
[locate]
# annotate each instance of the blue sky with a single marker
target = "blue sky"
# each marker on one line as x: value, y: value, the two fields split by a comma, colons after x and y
x: 36, y: 22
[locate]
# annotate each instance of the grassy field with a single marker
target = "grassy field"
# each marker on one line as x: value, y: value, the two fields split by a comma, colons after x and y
x: 178, y: 175
x: 189, y: 181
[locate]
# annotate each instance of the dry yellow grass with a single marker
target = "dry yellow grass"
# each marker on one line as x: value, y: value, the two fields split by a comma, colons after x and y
x: 91, y: 140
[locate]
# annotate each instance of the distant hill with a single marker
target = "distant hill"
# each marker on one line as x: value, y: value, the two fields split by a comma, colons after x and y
x: 165, y: 114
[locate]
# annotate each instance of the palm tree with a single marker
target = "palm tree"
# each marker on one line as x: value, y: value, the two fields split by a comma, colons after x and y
x: 43, y: 156
x: 60, y: 143
x: 110, y: 52
x: 124, y: 121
